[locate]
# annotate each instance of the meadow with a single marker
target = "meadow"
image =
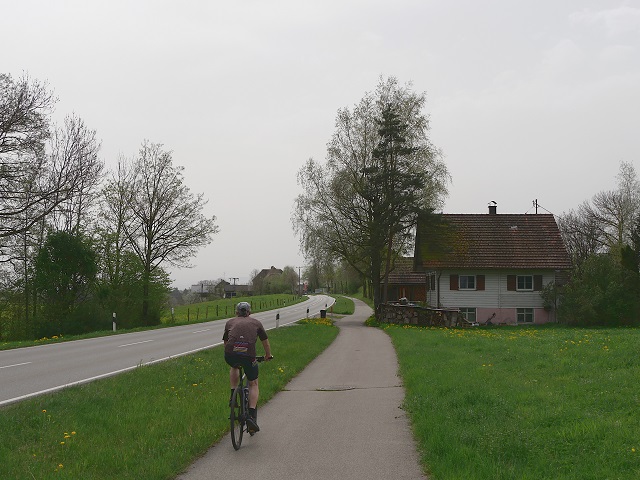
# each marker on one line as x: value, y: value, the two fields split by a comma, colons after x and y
x: 539, y: 403
x: 523, y: 402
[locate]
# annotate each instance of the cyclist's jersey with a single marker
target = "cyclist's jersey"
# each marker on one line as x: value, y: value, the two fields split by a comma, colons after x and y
x: 241, y: 335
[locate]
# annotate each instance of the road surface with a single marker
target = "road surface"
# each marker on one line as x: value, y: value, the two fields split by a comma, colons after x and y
x: 31, y: 371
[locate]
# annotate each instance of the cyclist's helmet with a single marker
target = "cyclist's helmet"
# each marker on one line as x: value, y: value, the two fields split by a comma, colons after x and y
x: 243, y: 309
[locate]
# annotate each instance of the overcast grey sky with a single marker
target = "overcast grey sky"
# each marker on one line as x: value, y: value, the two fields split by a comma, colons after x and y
x: 528, y: 99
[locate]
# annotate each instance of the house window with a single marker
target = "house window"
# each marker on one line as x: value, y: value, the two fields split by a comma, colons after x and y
x: 524, y: 315
x: 469, y: 314
x: 467, y: 282
x: 525, y: 282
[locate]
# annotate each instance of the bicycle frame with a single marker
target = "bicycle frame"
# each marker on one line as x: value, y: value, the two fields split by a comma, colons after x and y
x: 239, y: 406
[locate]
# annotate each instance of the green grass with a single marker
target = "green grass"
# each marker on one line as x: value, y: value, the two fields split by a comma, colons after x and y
x: 225, y: 308
x: 342, y: 306
x: 149, y: 423
x: 523, y: 403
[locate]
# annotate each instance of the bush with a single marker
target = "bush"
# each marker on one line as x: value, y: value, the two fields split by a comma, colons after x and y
x: 601, y: 293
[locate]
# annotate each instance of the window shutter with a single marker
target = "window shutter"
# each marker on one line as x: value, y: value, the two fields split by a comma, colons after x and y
x: 511, y: 283
x: 537, y: 283
x: 479, y: 282
x: 453, y: 282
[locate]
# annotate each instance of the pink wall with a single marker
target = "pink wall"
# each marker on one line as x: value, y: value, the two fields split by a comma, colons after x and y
x: 508, y: 316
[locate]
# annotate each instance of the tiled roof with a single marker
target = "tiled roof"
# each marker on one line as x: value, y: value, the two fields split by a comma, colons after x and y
x: 491, y: 241
x: 403, y: 273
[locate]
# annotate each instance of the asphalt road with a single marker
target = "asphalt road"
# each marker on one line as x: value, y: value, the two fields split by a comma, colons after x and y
x: 340, y: 418
x: 31, y: 371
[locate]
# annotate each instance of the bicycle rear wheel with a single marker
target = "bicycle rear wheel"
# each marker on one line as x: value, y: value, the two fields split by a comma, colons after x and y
x: 237, y: 418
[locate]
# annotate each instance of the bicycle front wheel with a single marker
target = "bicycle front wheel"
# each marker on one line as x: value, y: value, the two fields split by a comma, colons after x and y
x: 237, y: 418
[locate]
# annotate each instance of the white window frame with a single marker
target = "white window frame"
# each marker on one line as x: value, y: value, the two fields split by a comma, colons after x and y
x: 526, y: 279
x: 467, y: 277
x: 470, y: 313
x: 523, y: 313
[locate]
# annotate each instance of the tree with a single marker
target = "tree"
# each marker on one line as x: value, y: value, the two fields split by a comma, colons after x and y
x: 601, y: 292
x: 25, y: 107
x: 75, y: 147
x: 65, y: 269
x: 163, y: 220
x: 606, y: 223
x: 381, y: 172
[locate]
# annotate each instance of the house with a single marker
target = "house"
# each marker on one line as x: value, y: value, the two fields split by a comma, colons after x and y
x: 405, y: 282
x: 492, y: 267
x: 267, y: 272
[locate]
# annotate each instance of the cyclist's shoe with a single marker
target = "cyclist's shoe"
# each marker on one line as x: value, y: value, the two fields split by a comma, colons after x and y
x: 252, y: 425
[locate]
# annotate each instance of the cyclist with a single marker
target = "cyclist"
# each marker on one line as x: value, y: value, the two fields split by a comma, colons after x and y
x: 240, y: 336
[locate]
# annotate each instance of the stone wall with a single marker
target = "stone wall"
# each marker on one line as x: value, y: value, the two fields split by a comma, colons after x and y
x: 415, y: 315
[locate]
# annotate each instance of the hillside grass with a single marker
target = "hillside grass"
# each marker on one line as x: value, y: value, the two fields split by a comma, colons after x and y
x: 146, y: 424
x: 523, y: 402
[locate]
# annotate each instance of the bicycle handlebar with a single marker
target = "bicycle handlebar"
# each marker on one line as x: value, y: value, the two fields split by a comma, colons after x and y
x: 262, y: 358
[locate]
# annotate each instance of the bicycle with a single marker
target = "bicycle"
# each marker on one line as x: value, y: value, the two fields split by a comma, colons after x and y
x: 239, y: 406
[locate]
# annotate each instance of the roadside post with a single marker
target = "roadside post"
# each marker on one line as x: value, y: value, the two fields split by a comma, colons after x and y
x: 114, y: 321
x: 277, y: 319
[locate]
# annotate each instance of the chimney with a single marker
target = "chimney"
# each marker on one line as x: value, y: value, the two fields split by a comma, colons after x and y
x: 493, y: 208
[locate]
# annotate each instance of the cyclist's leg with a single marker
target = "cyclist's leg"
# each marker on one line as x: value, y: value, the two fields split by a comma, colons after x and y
x: 252, y: 372
x: 234, y: 377
x: 254, y: 393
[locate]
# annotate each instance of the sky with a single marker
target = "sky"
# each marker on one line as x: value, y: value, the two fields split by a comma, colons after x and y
x: 528, y: 100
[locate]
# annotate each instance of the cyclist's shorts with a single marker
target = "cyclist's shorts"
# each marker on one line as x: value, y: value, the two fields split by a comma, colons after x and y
x: 250, y: 365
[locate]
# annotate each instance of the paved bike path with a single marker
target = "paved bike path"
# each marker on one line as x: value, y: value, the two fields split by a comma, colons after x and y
x: 340, y: 418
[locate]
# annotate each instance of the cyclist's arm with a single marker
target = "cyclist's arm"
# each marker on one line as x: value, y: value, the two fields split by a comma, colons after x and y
x: 267, y: 349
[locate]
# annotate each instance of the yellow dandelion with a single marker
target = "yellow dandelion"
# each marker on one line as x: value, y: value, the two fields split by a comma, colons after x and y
x: 61, y: 443
x: 44, y: 411
x: 73, y: 433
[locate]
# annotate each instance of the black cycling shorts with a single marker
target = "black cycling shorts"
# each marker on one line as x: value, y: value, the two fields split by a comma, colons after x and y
x: 250, y: 365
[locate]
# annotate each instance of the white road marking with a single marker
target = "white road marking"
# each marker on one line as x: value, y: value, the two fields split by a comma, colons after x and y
x: 16, y: 365
x: 136, y: 343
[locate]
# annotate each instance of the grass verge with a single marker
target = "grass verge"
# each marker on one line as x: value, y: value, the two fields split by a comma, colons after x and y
x: 523, y: 403
x: 149, y: 423
x: 343, y: 306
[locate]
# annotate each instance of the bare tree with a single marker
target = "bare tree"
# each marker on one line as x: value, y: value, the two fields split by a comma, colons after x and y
x: 25, y: 106
x: 164, y: 221
x: 75, y: 147
x: 607, y: 222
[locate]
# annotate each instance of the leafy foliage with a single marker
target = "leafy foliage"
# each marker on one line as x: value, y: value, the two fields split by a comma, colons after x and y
x: 601, y: 292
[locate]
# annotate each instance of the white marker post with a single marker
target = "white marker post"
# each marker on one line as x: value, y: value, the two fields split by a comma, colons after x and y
x: 277, y: 319
x: 114, y: 321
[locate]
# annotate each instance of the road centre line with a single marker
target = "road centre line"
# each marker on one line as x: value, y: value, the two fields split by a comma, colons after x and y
x: 15, y: 365
x: 200, y: 331
x: 136, y: 343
